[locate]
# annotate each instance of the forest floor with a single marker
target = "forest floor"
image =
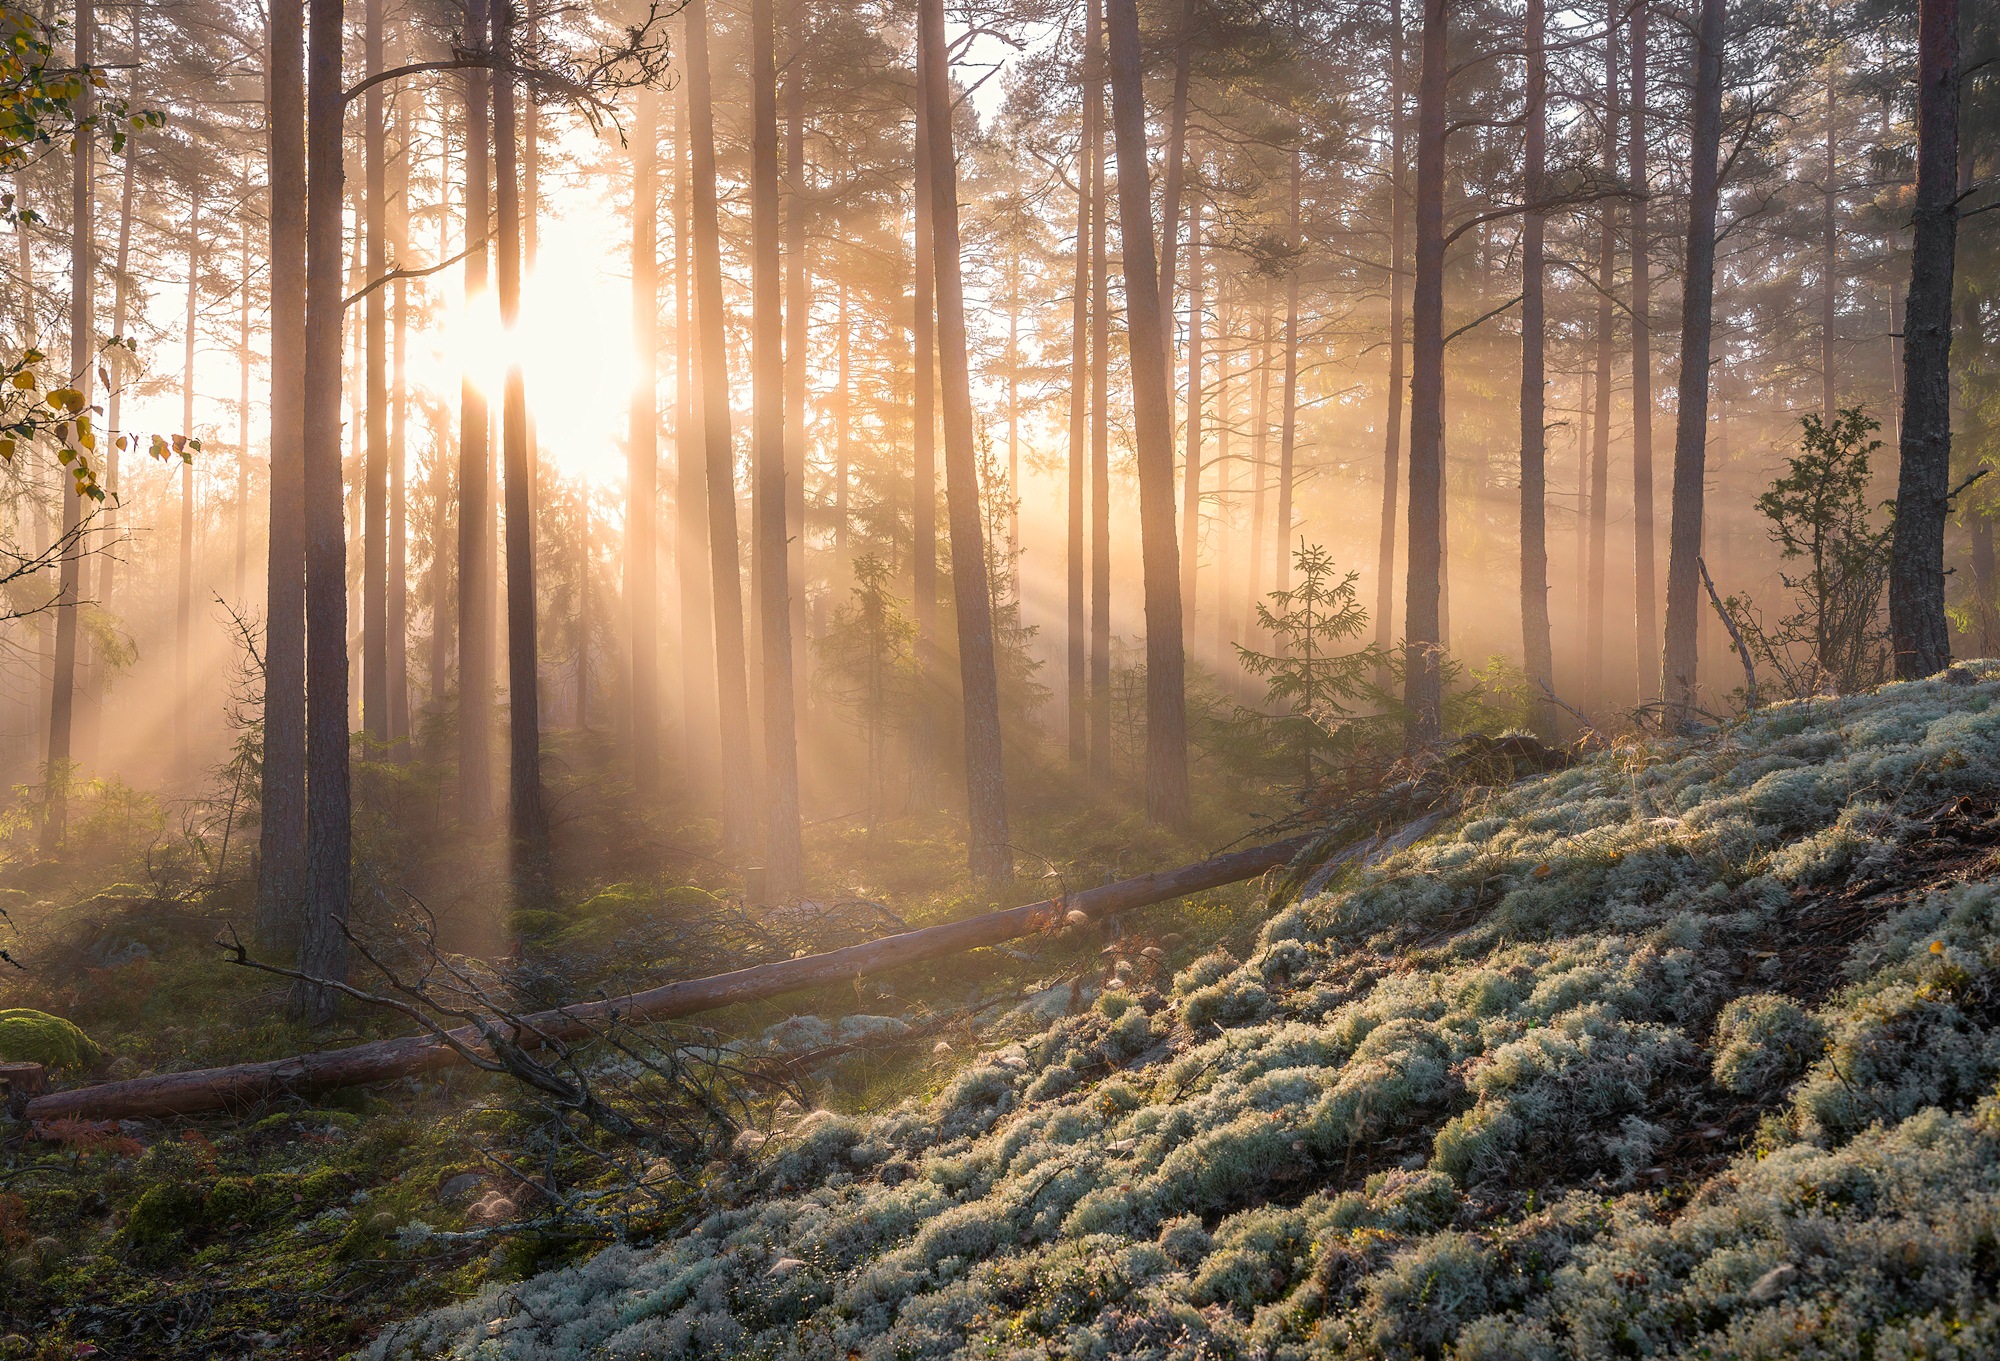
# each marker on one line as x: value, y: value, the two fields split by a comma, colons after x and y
x: 287, y: 1229
x: 1687, y: 1050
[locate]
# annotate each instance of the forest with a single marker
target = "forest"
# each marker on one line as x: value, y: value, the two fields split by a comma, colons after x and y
x: 999, y: 678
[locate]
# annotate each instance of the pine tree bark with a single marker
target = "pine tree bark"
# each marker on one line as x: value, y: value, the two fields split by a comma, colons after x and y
x: 1600, y: 451
x: 783, y: 857
x: 83, y: 367
x: 323, y: 952
x: 642, y: 478
x: 1918, y: 630
x: 798, y: 359
x: 1423, y: 676
x: 1288, y: 420
x: 1100, y: 402
x: 988, y: 850
x: 398, y: 629
x: 1829, y: 255
x: 1645, y: 571
x: 725, y: 573
x: 1677, y: 670
x: 375, y: 396
x: 1260, y: 465
x: 923, y: 492
x: 701, y: 754
x: 281, y: 836
x: 527, y: 816
x: 241, y: 570
x: 1191, y: 471
x: 475, y: 477
x: 184, y: 564
x: 1392, y: 439
x: 1152, y: 414
x: 1076, y: 695
x: 1537, y: 648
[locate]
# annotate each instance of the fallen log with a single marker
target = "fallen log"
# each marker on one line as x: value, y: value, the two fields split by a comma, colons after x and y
x: 245, y: 1084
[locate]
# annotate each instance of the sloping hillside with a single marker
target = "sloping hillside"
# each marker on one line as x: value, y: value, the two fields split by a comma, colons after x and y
x: 1687, y: 1051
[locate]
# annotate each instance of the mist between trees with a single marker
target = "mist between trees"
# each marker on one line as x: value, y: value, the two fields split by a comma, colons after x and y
x: 827, y: 412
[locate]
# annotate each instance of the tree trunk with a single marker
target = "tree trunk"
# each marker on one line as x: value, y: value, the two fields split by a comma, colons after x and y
x: 783, y: 857
x: 1392, y: 439
x: 1176, y: 174
x: 399, y: 453
x: 1260, y: 463
x: 1423, y: 683
x: 1645, y: 572
x: 989, y: 852
x: 528, y: 821
x: 923, y: 492
x: 1829, y: 248
x: 1288, y: 427
x: 1677, y: 670
x: 1191, y: 473
x: 1152, y: 416
x: 1917, y: 627
x: 843, y: 404
x: 701, y: 755
x: 242, y: 563
x: 184, y: 573
x: 642, y: 481
x: 725, y: 574
x: 1537, y: 649
x: 1600, y: 451
x: 83, y: 366
x: 375, y: 394
x: 475, y: 479
x: 281, y: 836
x: 1076, y: 690
x: 1191, y: 505
x: 323, y: 952
x: 797, y: 363
x: 1100, y: 404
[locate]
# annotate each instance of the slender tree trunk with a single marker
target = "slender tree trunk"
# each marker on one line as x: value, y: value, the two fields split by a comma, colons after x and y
x: 444, y: 630
x: 1918, y: 630
x: 242, y: 564
x: 528, y: 822
x: 923, y: 502
x: 1392, y: 439
x: 725, y: 574
x: 1645, y: 573
x: 783, y: 857
x: 797, y: 360
x: 1152, y: 411
x: 1677, y: 671
x: 642, y: 482
x: 702, y: 755
x: 281, y: 858
x: 121, y: 290
x: 184, y: 574
x: 475, y: 479
x: 1536, y: 644
x: 1191, y: 476
x: 323, y: 953
x: 83, y: 365
x: 1175, y: 173
x: 988, y: 848
x: 1225, y: 477
x: 1100, y: 404
x: 399, y: 453
x: 1076, y: 690
x: 1260, y: 463
x: 1423, y: 693
x: 1288, y: 430
x: 1829, y: 284
x: 843, y: 403
x: 1600, y: 451
x: 375, y: 394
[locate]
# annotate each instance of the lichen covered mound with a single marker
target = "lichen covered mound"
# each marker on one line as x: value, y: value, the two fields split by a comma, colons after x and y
x: 1543, y: 1085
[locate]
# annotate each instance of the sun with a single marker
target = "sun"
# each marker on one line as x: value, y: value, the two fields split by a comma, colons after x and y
x: 573, y: 342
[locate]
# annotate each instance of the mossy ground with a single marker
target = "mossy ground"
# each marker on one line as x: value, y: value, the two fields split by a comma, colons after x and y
x: 1690, y: 1051
x: 302, y: 1229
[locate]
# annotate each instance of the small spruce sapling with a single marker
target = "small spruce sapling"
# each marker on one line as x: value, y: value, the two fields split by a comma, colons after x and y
x: 1311, y: 688
x: 868, y: 665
